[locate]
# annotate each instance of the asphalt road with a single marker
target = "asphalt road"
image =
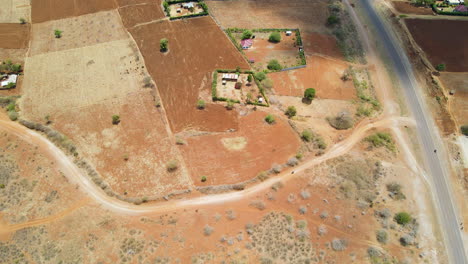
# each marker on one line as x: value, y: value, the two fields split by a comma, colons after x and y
x: 429, y: 139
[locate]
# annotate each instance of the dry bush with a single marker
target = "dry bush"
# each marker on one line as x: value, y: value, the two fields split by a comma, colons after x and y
x: 260, y: 205
x: 305, y: 194
x: 208, y: 230
x: 322, y: 230
x: 343, y: 120
x: 339, y: 244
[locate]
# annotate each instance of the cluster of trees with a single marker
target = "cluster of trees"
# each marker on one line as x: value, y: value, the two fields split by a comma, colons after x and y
x: 164, y: 45
x: 9, y: 67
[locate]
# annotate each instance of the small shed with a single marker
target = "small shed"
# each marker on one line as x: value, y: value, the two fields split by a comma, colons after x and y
x: 10, y: 79
x: 288, y: 33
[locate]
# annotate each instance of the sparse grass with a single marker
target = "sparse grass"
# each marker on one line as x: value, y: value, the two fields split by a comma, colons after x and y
x: 381, y: 139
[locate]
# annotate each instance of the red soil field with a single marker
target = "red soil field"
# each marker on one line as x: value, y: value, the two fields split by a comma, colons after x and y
x: 196, y: 47
x: 45, y: 10
x: 408, y: 8
x: 266, y: 145
x: 444, y: 41
x: 14, y: 36
x: 321, y: 43
x: 135, y: 14
x: 321, y: 73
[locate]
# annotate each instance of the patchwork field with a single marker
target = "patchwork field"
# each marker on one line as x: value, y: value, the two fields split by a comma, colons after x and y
x: 309, y: 16
x: 444, y: 41
x: 321, y: 73
x: 13, y: 10
x: 407, y: 8
x: 14, y: 36
x: 236, y: 157
x: 45, y: 10
x: 81, y: 31
x: 183, y: 74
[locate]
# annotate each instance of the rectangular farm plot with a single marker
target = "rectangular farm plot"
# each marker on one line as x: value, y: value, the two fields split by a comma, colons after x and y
x: 132, y: 15
x: 236, y: 87
x: 46, y: 10
x: 14, y: 36
x: 12, y: 11
x: 82, y: 31
x: 78, y: 78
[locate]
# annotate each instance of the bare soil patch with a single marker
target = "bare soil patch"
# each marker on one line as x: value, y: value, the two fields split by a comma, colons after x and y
x: 82, y: 31
x: 322, y: 44
x: 321, y: 73
x: 13, y: 10
x: 196, y: 48
x: 45, y: 10
x: 14, y: 36
x: 265, y: 145
x: 444, y: 41
x: 309, y: 16
x: 142, y: 13
x: 458, y: 82
x: 407, y: 8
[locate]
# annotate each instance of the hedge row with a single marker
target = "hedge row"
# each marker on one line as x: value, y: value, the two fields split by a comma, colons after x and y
x: 434, y: 8
x: 189, y: 16
x: 262, y: 30
x: 180, y: 1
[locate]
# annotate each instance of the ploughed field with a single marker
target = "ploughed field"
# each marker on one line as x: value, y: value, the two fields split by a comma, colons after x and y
x: 407, y: 8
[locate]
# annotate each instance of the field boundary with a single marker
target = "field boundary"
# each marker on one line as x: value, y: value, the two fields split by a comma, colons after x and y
x: 296, y: 31
x: 454, y: 13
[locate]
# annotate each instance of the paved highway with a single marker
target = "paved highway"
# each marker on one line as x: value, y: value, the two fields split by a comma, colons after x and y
x: 429, y: 139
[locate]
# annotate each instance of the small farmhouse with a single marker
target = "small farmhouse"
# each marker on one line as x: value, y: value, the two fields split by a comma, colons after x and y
x: 246, y: 43
x: 288, y: 33
x: 9, y: 79
x: 230, y: 76
x: 454, y: 2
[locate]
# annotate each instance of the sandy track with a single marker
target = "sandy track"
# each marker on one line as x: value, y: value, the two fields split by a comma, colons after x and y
x: 73, y: 173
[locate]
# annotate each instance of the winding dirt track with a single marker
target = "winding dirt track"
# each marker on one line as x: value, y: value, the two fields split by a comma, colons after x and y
x: 73, y: 173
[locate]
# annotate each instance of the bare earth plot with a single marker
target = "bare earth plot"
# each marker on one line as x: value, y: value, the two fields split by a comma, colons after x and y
x: 458, y: 82
x: 141, y: 13
x: 444, y: 41
x: 407, y: 8
x: 236, y: 157
x: 12, y: 10
x: 196, y: 47
x: 321, y: 73
x: 321, y: 43
x: 78, y: 32
x: 14, y: 36
x: 309, y: 16
x: 45, y: 10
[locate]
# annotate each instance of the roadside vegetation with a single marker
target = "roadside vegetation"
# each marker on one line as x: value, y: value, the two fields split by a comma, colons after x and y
x: 381, y: 139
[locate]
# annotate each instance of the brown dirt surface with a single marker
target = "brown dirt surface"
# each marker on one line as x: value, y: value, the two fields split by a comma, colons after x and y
x: 46, y: 10
x: 14, y: 36
x: 407, y: 8
x: 322, y: 44
x: 321, y: 73
x: 141, y: 136
x: 239, y: 156
x: 13, y: 10
x: 444, y: 41
x: 459, y: 101
x: 309, y: 16
x: 82, y: 31
x: 188, y: 65
x: 143, y: 13
x: 122, y: 3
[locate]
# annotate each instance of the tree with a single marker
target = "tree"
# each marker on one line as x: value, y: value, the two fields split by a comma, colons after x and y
x: 203, y: 178
x: 201, y: 104
x: 307, y: 135
x: 260, y: 76
x: 22, y: 21
x: 270, y: 119
x: 309, y: 94
x: 332, y: 20
x: 172, y: 165
x: 403, y: 218
x: 163, y: 44
x: 275, y: 37
x: 274, y: 65
x: 58, y: 33
x: 440, y: 67
x: 290, y: 111
x: 464, y: 130
x: 246, y: 34
x: 115, y: 119
x: 249, y: 78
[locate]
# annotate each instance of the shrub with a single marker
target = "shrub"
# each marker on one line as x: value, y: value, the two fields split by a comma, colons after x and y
x: 270, y: 119
x: 163, y: 44
x: 293, y: 161
x: 342, y: 121
x: 309, y: 94
x: 208, y: 230
x: 260, y: 76
x: 229, y: 104
x: 274, y: 65
x: 249, y: 78
x: 403, y: 218
x: 22, y: 21
x: 274, y: 37
x: 115, y: 119
x: 172, y: 165
x: 13, y: 115
x: 307, y: 135
x: 246, y: 34
x: 290, y: 111
x: 332, y: 20
x: 299, y: 156
x: 406, y: 240
x: 58, y: 33
x: 382, y: 236
x: 440, y: 67
x: 381, y: 140
x: 238, y: 85
x: 203, y: 178
x: 464, y: 130
x: 267, y: 83
x: 11, y: 106
x: 339, y: 244
x: 201, y: 104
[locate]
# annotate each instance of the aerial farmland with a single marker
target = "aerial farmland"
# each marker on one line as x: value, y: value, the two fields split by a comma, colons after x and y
x: 186, y: 131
